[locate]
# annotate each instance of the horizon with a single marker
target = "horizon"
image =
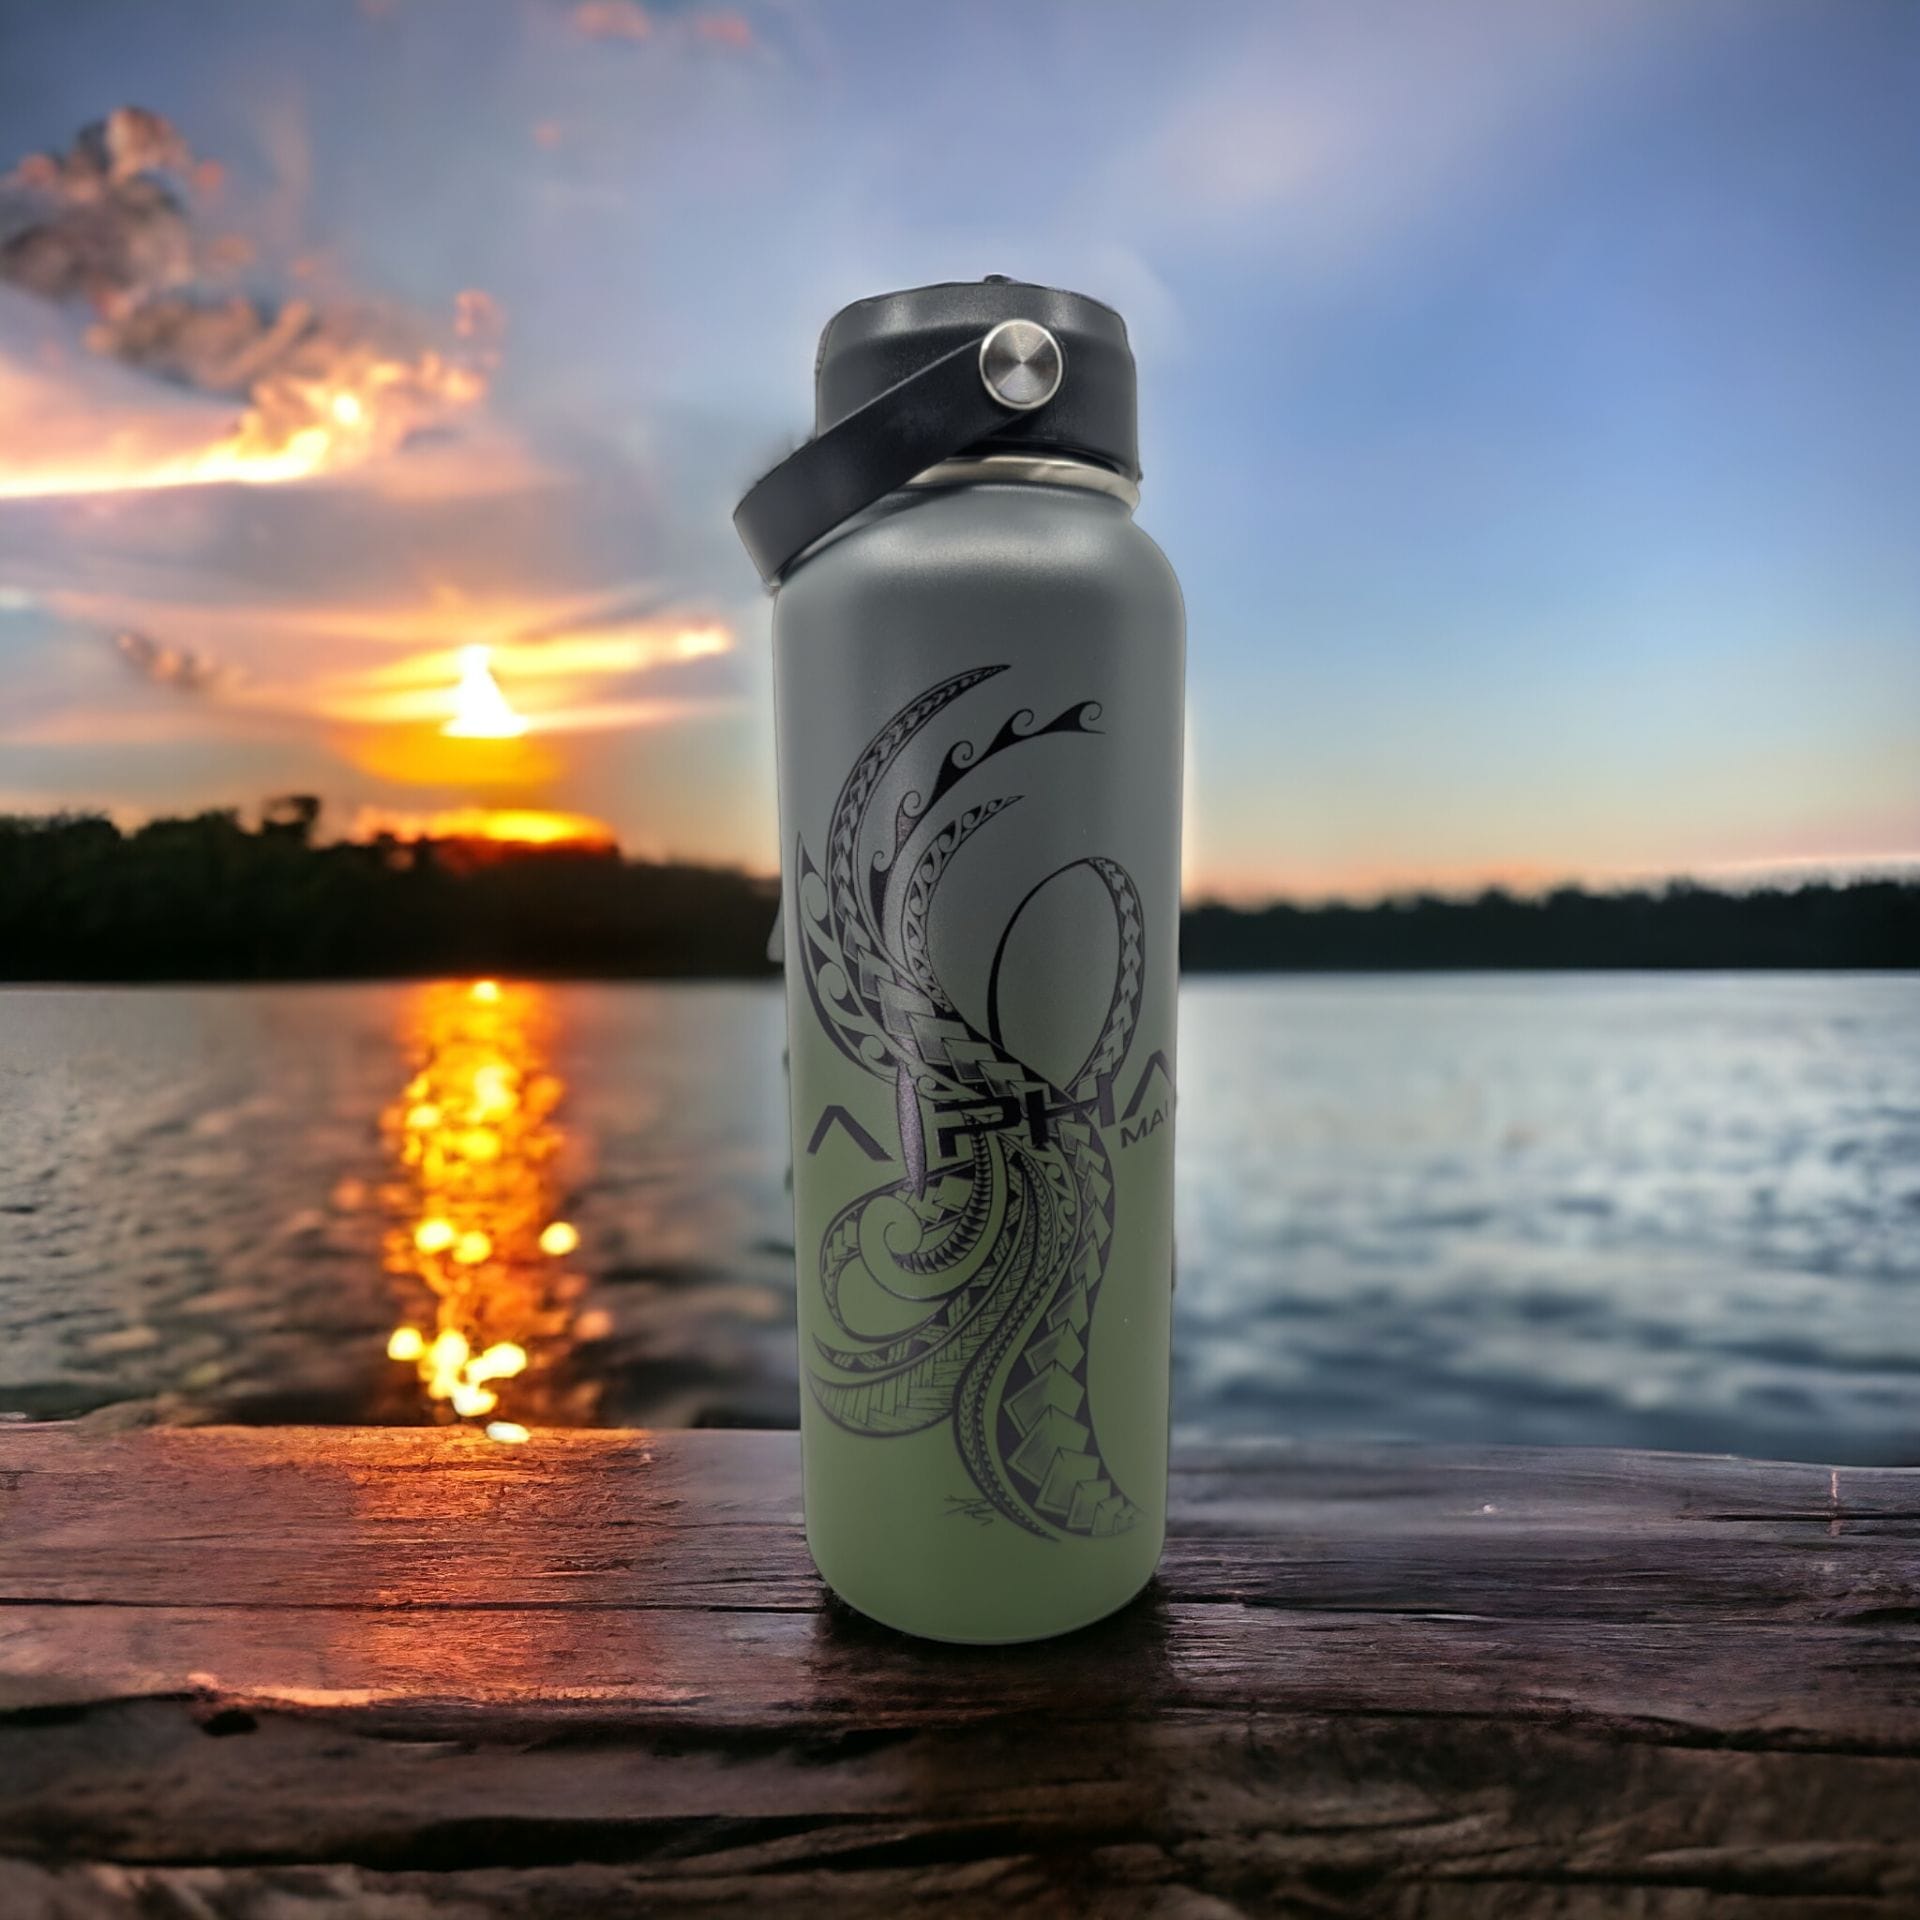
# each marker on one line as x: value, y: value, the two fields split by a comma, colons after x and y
x: 1528, y: 406
x: 513, y: 833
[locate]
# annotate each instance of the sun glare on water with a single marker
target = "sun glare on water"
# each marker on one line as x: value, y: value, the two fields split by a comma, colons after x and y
x: 476, y: 1209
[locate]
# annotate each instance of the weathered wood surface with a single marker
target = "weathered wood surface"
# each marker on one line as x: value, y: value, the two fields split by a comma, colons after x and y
x: 265, y: 1675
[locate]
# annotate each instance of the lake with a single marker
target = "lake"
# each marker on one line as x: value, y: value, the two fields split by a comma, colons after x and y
x: 1649, y: 1210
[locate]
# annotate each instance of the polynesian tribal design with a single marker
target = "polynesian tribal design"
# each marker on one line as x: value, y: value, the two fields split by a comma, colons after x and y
x: 1000, y: 1225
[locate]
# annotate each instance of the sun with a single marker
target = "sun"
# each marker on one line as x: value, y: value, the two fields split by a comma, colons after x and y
x: 480, y: 709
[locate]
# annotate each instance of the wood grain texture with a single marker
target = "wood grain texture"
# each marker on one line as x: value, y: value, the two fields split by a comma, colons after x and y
x: 267, y: 1674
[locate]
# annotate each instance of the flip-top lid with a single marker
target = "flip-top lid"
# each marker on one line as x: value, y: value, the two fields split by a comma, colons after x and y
x: 906, y: 380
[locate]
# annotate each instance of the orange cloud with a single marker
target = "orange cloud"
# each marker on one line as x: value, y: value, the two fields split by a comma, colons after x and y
x: 728, y: 29
x: 627, y: 20
x: 426, y: 756
x: 612, y: 20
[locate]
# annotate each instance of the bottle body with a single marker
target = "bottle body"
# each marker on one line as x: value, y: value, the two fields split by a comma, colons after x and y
x: 978, y: 698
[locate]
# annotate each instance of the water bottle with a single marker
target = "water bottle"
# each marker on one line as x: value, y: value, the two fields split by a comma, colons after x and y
x: 978, y: 673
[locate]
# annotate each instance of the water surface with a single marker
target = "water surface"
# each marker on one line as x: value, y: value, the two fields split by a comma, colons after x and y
x: 1678, y: 1211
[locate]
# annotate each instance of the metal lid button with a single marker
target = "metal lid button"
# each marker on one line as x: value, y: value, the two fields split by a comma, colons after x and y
x: 1021, y: 364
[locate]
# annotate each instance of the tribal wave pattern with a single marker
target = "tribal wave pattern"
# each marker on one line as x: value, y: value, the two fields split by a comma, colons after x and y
x: 998, y: 1238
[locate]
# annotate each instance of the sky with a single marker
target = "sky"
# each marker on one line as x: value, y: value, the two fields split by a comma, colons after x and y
x: 1530, y: 403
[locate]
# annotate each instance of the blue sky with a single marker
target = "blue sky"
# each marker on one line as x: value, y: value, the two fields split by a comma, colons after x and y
x: 1530, y: 404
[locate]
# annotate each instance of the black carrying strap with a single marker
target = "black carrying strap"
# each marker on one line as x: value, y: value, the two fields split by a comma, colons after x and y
x: 924, y: 419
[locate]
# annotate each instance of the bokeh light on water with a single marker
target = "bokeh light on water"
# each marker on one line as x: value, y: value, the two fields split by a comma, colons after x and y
x: 477, y: 1234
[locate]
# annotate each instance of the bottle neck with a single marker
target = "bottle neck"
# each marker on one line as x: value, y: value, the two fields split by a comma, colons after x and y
x: 1029, y: 470
x: 994, y: 469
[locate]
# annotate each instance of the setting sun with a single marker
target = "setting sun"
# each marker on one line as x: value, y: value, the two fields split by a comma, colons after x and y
x: 480, y: 709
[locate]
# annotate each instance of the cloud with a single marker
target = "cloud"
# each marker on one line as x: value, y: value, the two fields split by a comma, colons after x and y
x: 111, y: 226
x: 626, y: 20
x: 179, y: 668
x: 1325, y: 134
x: 724, y: 29
x: 611, y: 20
x: 564, y: 663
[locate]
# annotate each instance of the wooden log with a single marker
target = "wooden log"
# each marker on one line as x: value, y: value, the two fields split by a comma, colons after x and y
x: 279, y: 1673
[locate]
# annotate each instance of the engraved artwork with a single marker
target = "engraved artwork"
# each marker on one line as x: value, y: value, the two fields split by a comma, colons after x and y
x: 993, y: 1240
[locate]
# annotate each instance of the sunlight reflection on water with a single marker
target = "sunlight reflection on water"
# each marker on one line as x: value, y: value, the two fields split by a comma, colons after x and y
x: 476, y: 1212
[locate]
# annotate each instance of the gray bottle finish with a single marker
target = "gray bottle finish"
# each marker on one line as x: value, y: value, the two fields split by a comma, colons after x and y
x: 978, y: 697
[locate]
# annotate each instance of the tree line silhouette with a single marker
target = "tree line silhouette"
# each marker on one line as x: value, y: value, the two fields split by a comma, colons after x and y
x: 209, y: 898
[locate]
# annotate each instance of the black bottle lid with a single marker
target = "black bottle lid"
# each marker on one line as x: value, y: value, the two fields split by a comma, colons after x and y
x: 967, y: 368
x: 873, y: 344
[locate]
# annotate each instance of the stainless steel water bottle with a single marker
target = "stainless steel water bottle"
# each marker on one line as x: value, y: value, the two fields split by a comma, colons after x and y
x: 978, y: 665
